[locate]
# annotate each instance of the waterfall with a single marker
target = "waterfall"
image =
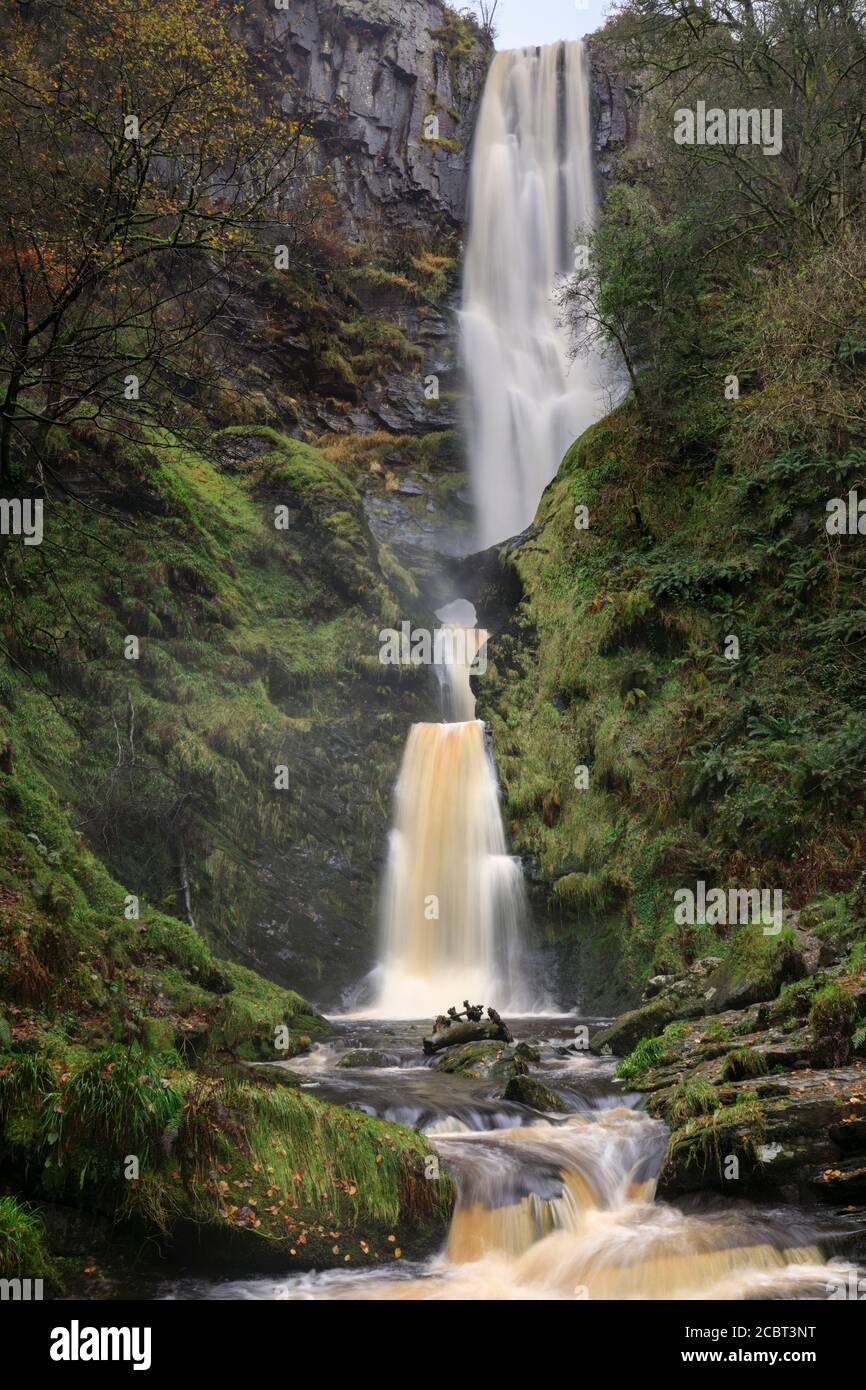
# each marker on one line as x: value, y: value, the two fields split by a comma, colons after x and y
x: 453, y: 904
x: 453, y: 901
x: 532, y: 185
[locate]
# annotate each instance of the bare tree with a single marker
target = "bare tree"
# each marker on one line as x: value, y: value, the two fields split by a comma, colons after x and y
x: 483, y: 13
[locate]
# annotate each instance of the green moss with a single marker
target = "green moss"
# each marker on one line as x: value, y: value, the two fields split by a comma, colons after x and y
x: 444, y: 142
x: 252, y: 1016
x: 219, y: 1155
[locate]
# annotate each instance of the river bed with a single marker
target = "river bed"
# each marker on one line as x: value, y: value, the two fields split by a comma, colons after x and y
x: 550, y: 1207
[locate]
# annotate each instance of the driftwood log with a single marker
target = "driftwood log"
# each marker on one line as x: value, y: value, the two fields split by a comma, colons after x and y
x: 466, y: 1033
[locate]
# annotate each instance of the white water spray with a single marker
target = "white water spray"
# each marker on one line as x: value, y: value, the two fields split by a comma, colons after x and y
x: 532, y: 186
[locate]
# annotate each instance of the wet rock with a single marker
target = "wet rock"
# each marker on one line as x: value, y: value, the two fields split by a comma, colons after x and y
x: 655, y: 986
x: 69, y: 1231
x: 366, y: 1057
x: 710, y: 986
x: 799, y: 1141
x: 727, y: 989
x: 626, y: 1031
x: 460, y: 1033
x: 528, y: 1090
x: 476, y: 1059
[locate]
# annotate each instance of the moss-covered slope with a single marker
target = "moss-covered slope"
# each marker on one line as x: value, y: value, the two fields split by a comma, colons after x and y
x: 638, y: 754
x: 248, y: 577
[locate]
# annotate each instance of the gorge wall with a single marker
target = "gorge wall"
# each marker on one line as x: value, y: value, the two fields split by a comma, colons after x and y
x: 376, y: 70
x: 260, y: 649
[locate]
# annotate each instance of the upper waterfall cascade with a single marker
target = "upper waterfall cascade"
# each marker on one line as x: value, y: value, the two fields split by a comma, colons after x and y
x: 532, y: 187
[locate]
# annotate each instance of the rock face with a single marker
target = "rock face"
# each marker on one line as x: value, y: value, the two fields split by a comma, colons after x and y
x: 615, y: 112
x: 378, y: 70
x: 710, y: 986
x: 746, y: 1085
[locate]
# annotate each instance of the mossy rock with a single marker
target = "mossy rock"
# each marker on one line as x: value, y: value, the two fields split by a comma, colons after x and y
x: 742, y: 980
x: 273, y: 1073
x: 477, y: 1059
x: 528, y: 1090
x: 366, y: 1057
x: 621, y: 1036
x: 158, y: 1035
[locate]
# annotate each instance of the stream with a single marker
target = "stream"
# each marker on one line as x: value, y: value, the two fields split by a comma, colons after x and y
x: 558, y: 1207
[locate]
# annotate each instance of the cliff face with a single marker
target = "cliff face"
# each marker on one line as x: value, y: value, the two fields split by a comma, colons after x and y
x: 378, y: 71
x: 394, y: 87
x: 615, y: 112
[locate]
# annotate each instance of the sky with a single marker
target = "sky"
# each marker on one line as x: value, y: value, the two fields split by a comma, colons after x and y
x: 522, y: 22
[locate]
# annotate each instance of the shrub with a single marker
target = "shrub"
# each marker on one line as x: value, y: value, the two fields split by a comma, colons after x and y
x: 743, y: 1062
x: 22, y: 1249
x: 833, y: 1019
x: 690, y: 1097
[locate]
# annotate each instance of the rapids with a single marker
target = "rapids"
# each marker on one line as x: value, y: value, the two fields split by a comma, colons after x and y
x: 558, y: 1208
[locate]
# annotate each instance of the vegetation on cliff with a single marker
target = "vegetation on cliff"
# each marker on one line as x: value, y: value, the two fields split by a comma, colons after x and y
x: 696, y: 646
x: 201, y: 615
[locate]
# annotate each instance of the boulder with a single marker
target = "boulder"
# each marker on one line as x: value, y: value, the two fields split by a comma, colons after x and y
x: 803, y: 1136
x: 366, y: 1057
x: 477, y: 1059
x: 528, y: 1090
x: 466, y: 1033
x: 621, y: 1036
